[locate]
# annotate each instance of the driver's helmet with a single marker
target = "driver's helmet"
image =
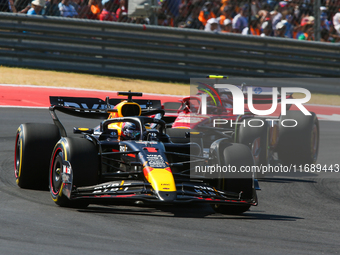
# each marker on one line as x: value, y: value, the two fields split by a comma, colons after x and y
x: 130, y: 131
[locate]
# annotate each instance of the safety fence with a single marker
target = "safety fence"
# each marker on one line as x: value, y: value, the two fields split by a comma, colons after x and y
x: 153, y: 52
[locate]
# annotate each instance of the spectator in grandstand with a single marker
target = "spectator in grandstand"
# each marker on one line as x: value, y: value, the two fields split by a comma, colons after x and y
x: 337, y: 29
x: 193, y: 21
x: 182, y: 16
x: 296, y: 12
x: 305, y: 9
x: 22, y: 6
x: 332, y: 6
x: 165, y: 13
x: 289, y: 26
x: 123, y: 17
x: 37, y: 6
x: 121, y: 12
x: 264, y: 14
x: 227, y: 26
x: 51, y: 8
x: 171, y: 8
x: 336, y: 19
x: 206, y: 13
x: 226, y: 13
x: 7, y: 6
x: 324, y: 23
x: 212, y: 25
x: 106, y: 15
x: 307, y: 29
x: 280, y: 29
x: 216, y: 5
x: 324, y: 16
x: 266, y: 28
x: 324, y: 35
x: 114, y: 6
x: 277, y: 17
x: 67, y: 10
x: 255, y: 7
x: 240, y: 21
x: 333, y: 35
x: 233, y: 8
x: 95, y: 9
x: 255, y: 26
x: 162, y: 20
x: 224, y: 5
x: 81, y: 7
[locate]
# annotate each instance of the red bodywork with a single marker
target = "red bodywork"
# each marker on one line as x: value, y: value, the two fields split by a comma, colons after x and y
x: 189, y: 115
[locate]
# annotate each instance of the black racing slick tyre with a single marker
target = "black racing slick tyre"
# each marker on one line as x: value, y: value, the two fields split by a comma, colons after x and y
x: 34, y: 144
x: 248, y: 134
x: 298, y: 144
x: 237, y: 155
x: 82, y: 155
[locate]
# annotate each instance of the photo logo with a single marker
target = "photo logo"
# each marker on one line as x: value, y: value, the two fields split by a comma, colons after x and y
x: 238, y: 100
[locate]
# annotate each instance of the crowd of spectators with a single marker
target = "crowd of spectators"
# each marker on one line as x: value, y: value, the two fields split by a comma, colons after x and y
x: 108, y: 10
x: 288, y: 18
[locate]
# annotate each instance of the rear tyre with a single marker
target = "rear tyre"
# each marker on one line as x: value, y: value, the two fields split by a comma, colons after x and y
x: 299, y: 144
x: 82, y: 155
x: 33, y: 148
x: 235, y: 155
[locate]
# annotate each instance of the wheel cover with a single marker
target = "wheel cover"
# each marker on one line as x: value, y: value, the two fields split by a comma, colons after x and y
x: 56, y: 170
x: 17, y: 157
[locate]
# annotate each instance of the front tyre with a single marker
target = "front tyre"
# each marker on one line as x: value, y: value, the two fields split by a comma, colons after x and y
x: 257, y: 139
x: 83, y: 157
x: 237, y: 155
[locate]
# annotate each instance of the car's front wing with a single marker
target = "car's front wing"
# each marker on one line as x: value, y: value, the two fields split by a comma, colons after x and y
x: 187, y: 192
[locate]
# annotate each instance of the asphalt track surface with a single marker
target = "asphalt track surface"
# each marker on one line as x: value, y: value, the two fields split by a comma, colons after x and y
x: 299, y: 216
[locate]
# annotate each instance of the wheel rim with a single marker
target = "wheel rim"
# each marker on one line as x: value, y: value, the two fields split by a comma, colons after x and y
x: 314, y: 143
x: 17, y: 157
x: 56, y: 170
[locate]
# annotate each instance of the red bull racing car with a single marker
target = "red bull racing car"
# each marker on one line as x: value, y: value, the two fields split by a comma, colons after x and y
x: 131, y: 155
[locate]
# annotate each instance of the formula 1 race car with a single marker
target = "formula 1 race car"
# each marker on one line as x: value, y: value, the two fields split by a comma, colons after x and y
x: 129, y: 156
x: 291, y: 139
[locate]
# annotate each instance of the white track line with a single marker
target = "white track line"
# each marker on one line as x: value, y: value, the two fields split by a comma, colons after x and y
x: 28, y: 107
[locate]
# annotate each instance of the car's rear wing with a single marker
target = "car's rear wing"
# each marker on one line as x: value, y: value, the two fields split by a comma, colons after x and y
x: 96, y: 107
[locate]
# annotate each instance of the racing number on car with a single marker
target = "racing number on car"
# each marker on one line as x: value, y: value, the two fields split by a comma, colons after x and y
x: 155, y: 161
